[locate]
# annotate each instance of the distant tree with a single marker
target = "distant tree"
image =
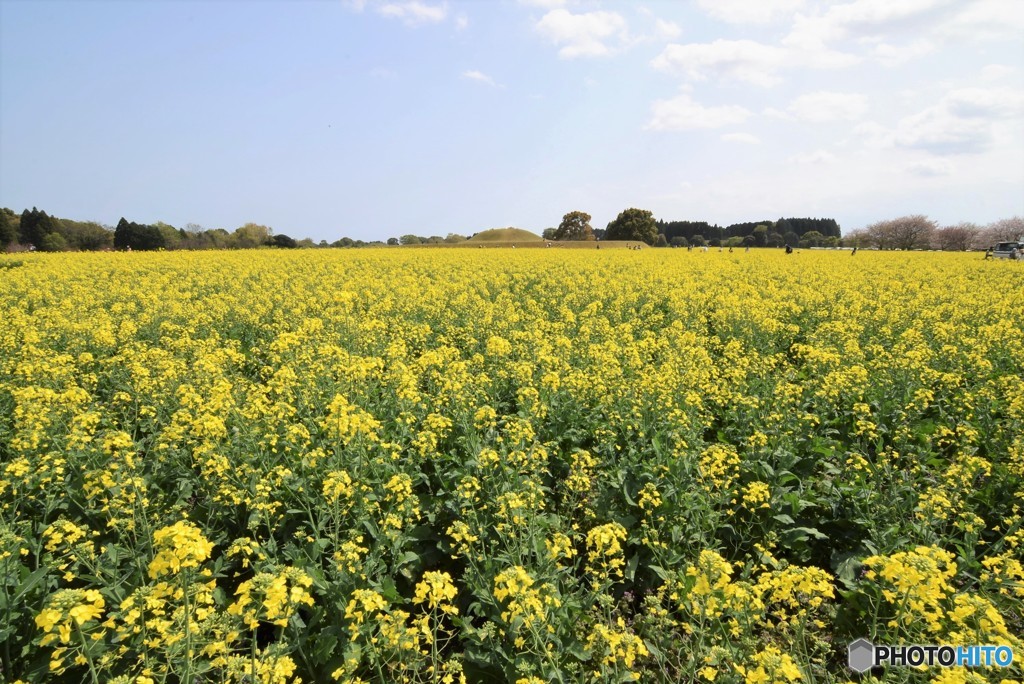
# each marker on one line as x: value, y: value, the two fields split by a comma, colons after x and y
x: 250, y: 235
x: 906, y: 232
x: 549, y: 233
x: 283, y: 241
x: 86, y: 235
x: 575, y: 226
x: 433, y: 240
x: 1003, y: 230
x: 455, y: 237
x: 393, y: 241
x: 774, y: 240
x: 8, y: 227
x: 137, y: 236
x: 633, y: 224
x: 791, y: 239
x: 811, y: 238
x: 680, y: 241
x: 698, y: 241
x: 171, y: 236
x: 53, y: 242
x: 760, y: 236
x: 409, y: 240
x: 661, y: 241
x: 599, y: 233
x: 35, y: 225
x: 958, y: 238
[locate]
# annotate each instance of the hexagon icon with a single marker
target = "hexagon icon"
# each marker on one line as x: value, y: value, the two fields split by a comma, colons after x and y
x: 862, y: 655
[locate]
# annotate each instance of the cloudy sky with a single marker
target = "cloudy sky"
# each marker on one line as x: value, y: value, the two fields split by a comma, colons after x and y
x: 377, y: 118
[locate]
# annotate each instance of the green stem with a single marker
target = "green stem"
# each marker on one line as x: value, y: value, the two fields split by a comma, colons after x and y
x: 88, y: 657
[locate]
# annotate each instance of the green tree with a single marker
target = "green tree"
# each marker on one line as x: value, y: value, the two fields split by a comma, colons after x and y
x: 760, y: 236
x: 633, y: 224
x: 812, y: 238
x: 393, y: 241
x: 251, y: 235
x: 53, y: 242
x: 35, y: 225
x: 661, y: 241
x: 575, y: 226
x: 680, y: 241
x: 169, y: 234
x: 284, y: 241
x: 409, y: 240
x: 8, y: 227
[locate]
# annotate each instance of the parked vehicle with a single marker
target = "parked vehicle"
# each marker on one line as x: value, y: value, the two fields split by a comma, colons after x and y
x: 1009, y: 250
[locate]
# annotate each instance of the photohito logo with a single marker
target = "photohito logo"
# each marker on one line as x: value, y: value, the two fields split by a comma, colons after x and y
x: 864, y: 655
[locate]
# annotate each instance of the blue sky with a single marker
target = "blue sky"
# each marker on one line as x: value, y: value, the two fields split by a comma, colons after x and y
x: 377, y: 118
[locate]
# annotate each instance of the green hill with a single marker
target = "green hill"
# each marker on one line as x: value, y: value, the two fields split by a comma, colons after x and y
x: 506, y: 235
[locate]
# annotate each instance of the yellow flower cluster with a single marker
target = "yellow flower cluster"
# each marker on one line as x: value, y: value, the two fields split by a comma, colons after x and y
x: 559, y: 465
x: 272, y: 597
x: 178, y: 546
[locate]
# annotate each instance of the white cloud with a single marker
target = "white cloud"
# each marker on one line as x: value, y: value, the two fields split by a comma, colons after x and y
x: 828, y: 106
x: 461, y: 22
x: 741, y: 60
x: 774, y: 113
x: 996, y: 72
x: 931, y: 168
x: 413, y: 11
x: 666, y: 30
x: 867, y: 19
x: 742, y: 138
x: 818, y: 156
x: 962, y: 122
x: 894, y: 55
x: 681, y: 113
x: 939, y: 131
x: 583, y: 35
x: 985, y: 21
x: 998, y: 103
x: 749, y: 11
x: 479, y: 77
x: 545, y: 4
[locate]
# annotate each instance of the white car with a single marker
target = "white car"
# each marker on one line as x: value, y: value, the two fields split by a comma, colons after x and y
x: 1008, y: 250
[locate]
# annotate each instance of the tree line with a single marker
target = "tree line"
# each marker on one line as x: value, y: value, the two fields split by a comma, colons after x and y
x: 640, y: 225
x: 920, y: 232
x: 904, y: 233
x: 37, y: 230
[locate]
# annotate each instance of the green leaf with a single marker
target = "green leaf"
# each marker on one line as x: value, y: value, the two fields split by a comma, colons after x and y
x: 30, y: 583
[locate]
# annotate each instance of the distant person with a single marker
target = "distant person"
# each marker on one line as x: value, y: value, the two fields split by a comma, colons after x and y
x: 988, y: 254
x: 789, y: 249
x: 854, y: 251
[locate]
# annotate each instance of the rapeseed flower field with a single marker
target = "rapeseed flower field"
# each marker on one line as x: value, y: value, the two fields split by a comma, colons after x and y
x: 543, y: 466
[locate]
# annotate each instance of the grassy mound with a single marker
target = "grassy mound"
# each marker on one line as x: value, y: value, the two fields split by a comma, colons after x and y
x: 506, y: 235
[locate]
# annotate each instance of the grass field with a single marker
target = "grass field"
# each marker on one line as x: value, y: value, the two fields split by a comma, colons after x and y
x: 506, y: 465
